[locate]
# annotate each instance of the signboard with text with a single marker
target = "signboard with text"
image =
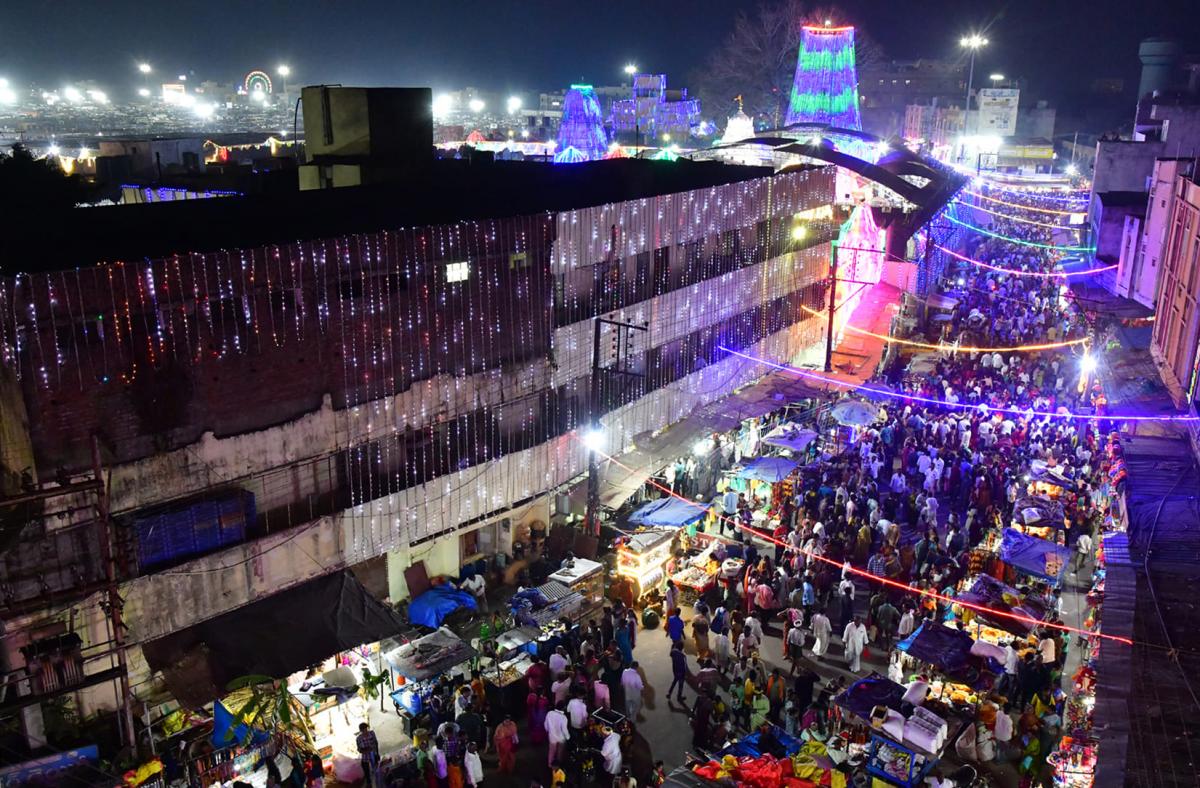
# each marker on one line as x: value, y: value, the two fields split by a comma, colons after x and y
x: 998, y: 111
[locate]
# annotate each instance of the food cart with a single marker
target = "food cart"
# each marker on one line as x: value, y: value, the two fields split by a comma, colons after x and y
x: 902, y: 750
x: 584, y: 577
x: 698, y: 573
x: 422, y: 663
x: 642, y: 559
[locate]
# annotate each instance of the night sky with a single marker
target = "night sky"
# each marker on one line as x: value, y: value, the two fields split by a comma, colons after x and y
x: 535, y: 44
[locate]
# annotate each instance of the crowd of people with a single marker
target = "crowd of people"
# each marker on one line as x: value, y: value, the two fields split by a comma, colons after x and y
x: 873, y: 543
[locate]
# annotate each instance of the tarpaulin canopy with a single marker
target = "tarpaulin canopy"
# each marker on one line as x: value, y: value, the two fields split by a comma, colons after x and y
x: 275, y: 636
x: 789, y: 436
x: 1039, y: 511
x: 431, y: 608
x: 864, y: 695
x: 768, y: 469
x: 990, y: 592
x: 940, y: 646
x: 668, y: 511
x: 1034, y: 556
x: 1040, y: 472
x: 855, y: 413
x: 428, y: 656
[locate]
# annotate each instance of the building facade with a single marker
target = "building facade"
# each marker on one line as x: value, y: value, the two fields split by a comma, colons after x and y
x: 406, y: 393
x: 1177, y: 324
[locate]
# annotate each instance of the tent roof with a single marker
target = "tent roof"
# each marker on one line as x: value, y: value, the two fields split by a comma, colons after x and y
x: 667, y: 511
x: 1034, y: 556
x: 768, y: 469
x: 275, y: 636
x: 941, y: 646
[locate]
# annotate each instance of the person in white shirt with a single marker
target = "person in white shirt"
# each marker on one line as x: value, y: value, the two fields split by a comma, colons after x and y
x: 473, y: 766
x: 611, y: 752
x: 847, y: 585
x: 907, y: 624
x: 559, y: 732
x: 631, y: 682
x: 558, y: 661
x: 854, y: 640
x: 577, y: 712
x: 477, y: 587
x: 1083, y: 550
x: 753, y: 625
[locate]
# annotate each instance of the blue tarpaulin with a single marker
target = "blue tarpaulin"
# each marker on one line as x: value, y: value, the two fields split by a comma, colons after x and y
x: 1034, y: 556
x: 668, y: 511
x: 768, y: 469
x: 431, y: 608
x: 940, y: 646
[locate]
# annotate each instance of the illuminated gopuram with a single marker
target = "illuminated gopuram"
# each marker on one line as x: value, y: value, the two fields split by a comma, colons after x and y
x: 581, y: 136
x: 825, y: 89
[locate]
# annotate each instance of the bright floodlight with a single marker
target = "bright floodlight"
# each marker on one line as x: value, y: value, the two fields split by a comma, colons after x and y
x: 1072, y: 169
x: 54, y: 150
x: 283, y: 70
x: 513, y: 104
x: 442, y: 104
x: 630, y: 69
x: 524, y: 134
x: 98, y: 96
x: 703, y: 447
x: 973, y: 41
x: 996, y: 77
x: 593, y: 439
x: 144, y: 92
x: 8, y: 96
x: 204, y: 110
x: 799, y: 232
x: 144, y: 68
x: 476, y: 105
x: 1087, y: 364
x: 72, y: 94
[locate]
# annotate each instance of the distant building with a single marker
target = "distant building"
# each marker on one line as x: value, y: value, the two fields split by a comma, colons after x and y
x: 886, y: 90
x: 1176, y: 340
x: 652, y: 111
x: 156, y: 155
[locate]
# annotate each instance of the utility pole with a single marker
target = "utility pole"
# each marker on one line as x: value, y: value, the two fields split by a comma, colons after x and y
x: 833, y: 246
x: 115, y: 603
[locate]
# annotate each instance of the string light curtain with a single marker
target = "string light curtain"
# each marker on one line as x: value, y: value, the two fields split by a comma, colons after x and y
x: 457, y: 357
x: 825, y: 88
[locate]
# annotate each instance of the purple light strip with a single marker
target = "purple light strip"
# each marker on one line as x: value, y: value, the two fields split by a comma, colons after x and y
x: 1028, y: 413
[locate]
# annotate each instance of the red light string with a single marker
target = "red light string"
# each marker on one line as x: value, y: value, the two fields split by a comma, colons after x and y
x: 875, y: 578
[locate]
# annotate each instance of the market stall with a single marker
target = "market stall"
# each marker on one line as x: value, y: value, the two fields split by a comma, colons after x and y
x: 698, y: 572
x: 965, y: 666
x: 584, y: 577
x: 667, y: 512
x: 422, y: 663
x: 903, y: 748
x: 642, y: 559
x: 1040, y: 516
x: 1033, y: 556
x: 791, y: 436
x: 987, y: 591
x: 768, y: 469
x: 1049, y: 480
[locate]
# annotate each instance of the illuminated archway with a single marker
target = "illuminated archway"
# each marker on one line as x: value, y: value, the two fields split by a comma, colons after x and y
x: 257, y: 80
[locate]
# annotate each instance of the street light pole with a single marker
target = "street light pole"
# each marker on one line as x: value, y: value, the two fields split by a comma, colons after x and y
x: 833, y: 245
x: 972, y: 42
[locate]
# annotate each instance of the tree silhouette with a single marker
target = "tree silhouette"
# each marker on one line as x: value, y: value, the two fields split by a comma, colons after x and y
x: 29, y: 184
x: 758, y: 60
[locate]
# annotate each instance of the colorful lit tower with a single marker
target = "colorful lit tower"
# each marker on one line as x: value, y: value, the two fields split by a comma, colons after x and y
x: 582, y: 127
x: 826, y: 86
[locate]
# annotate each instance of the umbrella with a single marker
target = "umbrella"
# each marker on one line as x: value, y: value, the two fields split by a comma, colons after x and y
x: 855, y: 412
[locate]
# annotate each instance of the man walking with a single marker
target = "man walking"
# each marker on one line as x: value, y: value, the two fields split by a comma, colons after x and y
x: 632, y: 684
x: 854, y: 640
x: 368, y: 753
x: 678, y: 670
x: 559, y: 733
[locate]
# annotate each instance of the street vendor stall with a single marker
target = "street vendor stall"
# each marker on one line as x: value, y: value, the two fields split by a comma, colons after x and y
x: 987, y: 591
x: 1048, y: 480
x: 1039, y: 515
x: 791, y: 436
x: 965, y: 666
x: 421, y: 663
x: 903, y: 749
x: 642, y: 559
x: 585, y: 577
x: 698, y: 573
x: 1033, y: 556
x: 667, y: 512
x: 768, y: 469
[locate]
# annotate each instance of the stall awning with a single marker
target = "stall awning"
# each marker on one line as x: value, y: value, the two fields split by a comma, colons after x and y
x: 1040, y: 472
x: 275, y: 636
x: 428, y: 656
x: 790, y: 437
x: 987, y: 591
x: 1034, y: 556
x: 768, y: 469
x: 940, y: 646
x: 667, y: 512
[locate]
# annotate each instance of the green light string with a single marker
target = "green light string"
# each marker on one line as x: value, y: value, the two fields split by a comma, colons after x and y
x: 810, y: 103
x: 827, y: 59
x: 1018, y: 241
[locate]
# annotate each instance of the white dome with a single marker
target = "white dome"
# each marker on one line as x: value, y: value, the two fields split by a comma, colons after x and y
x: 739, y: 128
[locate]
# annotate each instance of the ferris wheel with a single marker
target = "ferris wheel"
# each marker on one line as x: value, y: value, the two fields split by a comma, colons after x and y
x: 257, y: 81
